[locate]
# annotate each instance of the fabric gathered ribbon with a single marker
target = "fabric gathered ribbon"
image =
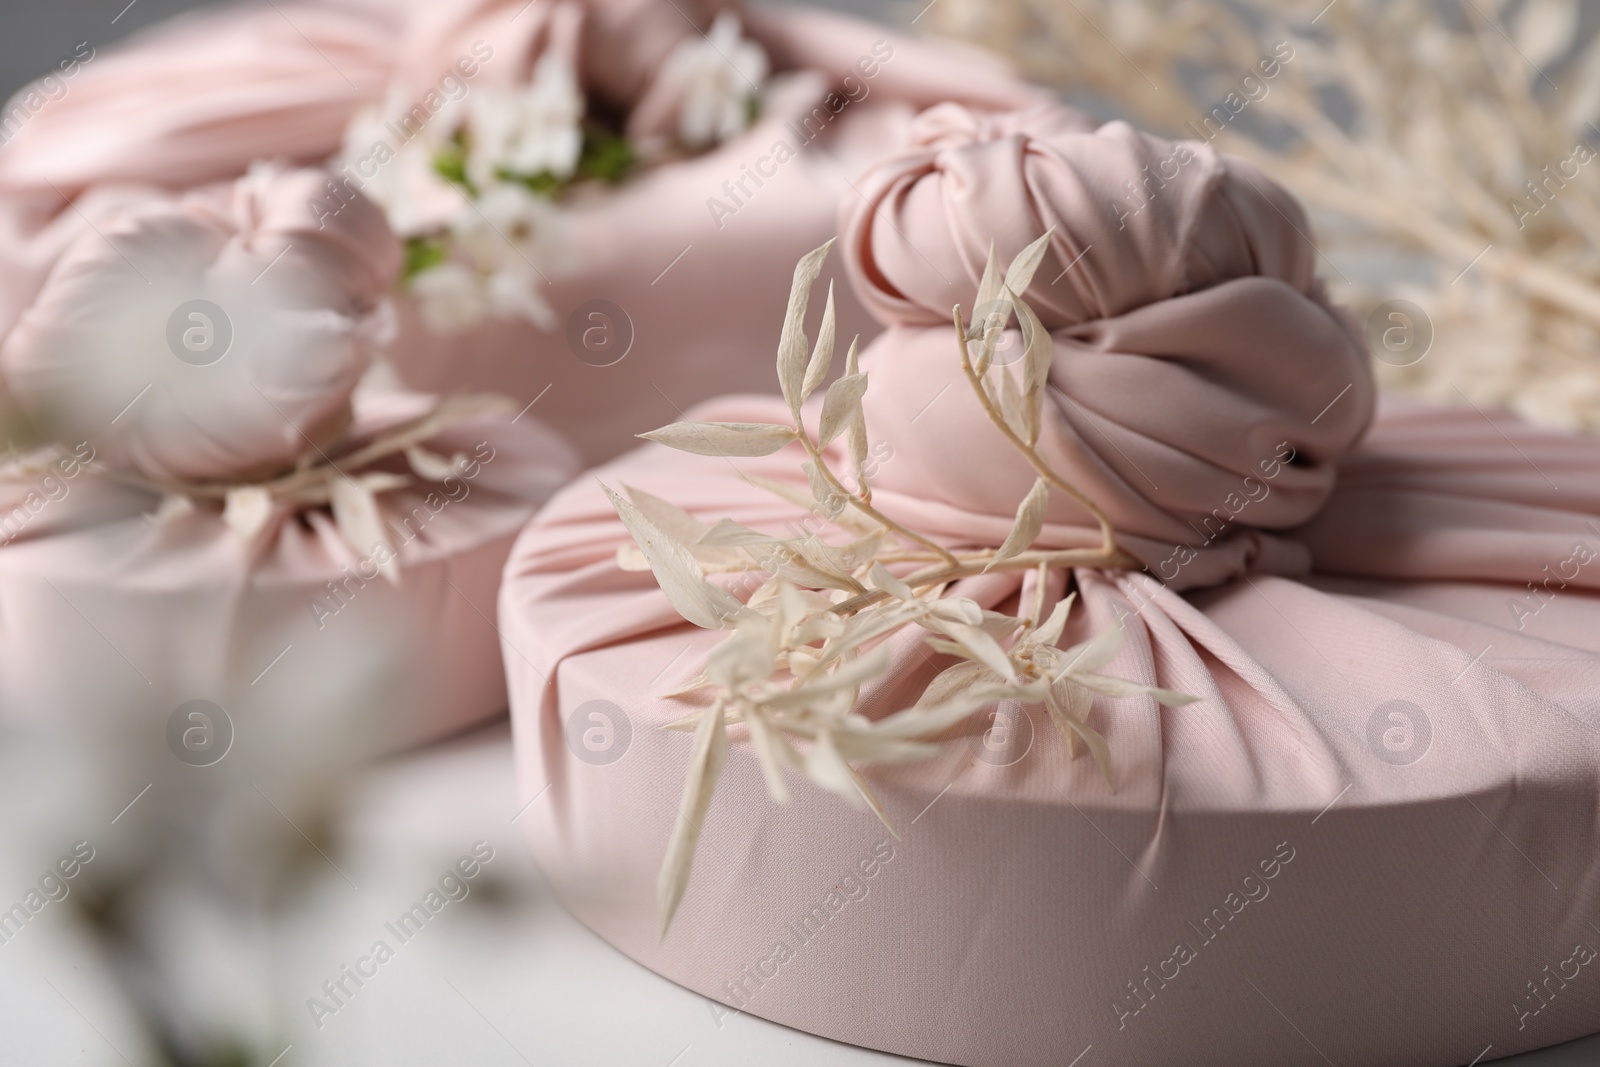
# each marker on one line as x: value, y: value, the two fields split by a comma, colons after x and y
x: 1201, y: 373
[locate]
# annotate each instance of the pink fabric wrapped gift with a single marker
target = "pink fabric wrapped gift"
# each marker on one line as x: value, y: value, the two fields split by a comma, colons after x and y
x: 696, y: 247
x: 224, y: 493
x: 1370, y: 840
x: 719, y: 229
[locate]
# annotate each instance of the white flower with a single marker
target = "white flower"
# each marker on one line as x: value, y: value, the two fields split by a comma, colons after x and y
x: 514, y: 293
x: 508, y: 226
x: 718, y: 74
x: 400, y: 178
x: 451, y: 298
x: 534, y: 129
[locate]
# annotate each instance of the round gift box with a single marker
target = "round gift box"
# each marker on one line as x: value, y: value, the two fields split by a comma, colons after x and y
x: 113, y: 613
x: 672, y: 281
x: 1371, y: 845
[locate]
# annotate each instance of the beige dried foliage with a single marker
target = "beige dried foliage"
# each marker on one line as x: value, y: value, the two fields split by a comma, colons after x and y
x: 816, y: 629
x: 1447, y: 151
x: 344, y: 484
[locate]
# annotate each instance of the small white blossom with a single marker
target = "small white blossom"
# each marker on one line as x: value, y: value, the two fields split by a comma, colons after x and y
x: 400, y: 179
x: 529, y: 130
x: 719, y: 74
x: 513, y: 292
x: 451, y: 298
x: 506, y: 224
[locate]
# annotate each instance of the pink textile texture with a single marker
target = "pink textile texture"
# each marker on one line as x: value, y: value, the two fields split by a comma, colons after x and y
x: 290, y: 341
x: 659, y: 249
x: 116, y: 608
x: 1368, y: 843
x: 203, y: 98
x: 105, y: 606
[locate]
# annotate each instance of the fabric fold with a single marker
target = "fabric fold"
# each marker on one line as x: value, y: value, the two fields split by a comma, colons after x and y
x: 1388, y: 782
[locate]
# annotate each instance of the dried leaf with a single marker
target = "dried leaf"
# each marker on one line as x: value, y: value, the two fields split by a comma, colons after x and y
x: 825, y: 767
x: 1038, y: 352
x: 429, y: 465
x: 709, y: 756
x: 1094, y: 653
x: 674, y: 520
x: 680, y: 578
x: 247, y: 510
x: 822, y: 353
x: 174, y: 506
x: 840, y: 406
x: 976, y: 644
x: 882, y: 579
x: 355, y: 513
x: 1049, y: 632
x: 629, y: 558
x: 1012, y: 409
x: 1121, y: 687
x: 872, y: 802
x: 954, y: 681
x: 856, y: 438
x: 1020, y: 274
x: 773, y: 755
x: 1029, y: 521
x: 1545, y: 29
x: 829, y: 500
x: 723, y: 438
x: 988, y: 285
x: 792, y: 362
x: 727, y: 533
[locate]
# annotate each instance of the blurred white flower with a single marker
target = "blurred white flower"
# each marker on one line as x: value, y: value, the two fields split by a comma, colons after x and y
x: 506, y: 225
x: 719, y: 74
x: 505, y: 245
x: 513, y: 292
x: 530, y: 130
x: 451, y: 298
x: 402, y: 180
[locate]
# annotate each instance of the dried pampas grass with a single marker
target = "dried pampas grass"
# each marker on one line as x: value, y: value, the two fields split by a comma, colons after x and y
x: 818, y: 627
x: 1448, y: 152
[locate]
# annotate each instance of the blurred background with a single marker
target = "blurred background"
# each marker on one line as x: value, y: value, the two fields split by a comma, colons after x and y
x: 1429, y: 141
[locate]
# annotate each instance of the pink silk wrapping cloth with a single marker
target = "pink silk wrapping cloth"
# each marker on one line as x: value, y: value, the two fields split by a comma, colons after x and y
x: 105, y: 604
x: 681, y: 254
x: 1369, y: 843
x: 116, y: 608
x: 202, y: 99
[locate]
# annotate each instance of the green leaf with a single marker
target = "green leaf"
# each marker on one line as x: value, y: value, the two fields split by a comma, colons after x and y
x: 606, y: 156
x: 424, y: 253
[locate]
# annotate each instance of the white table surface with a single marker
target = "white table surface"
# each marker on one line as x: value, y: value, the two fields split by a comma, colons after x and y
x: 504, y: 977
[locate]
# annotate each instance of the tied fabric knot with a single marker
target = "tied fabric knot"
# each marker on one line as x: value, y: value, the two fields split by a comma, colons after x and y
x: 213, y: 335
x: 1203, y: 388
